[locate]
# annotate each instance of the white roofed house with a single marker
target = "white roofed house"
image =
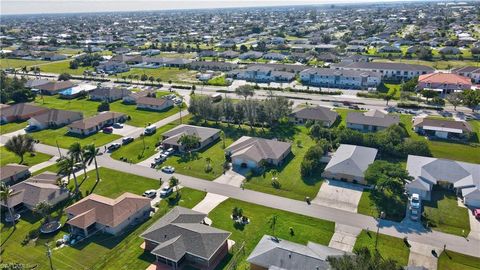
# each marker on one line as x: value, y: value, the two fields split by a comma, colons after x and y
x: 54, y: 118
x: 206, y: 136
x: 249, y: 152
x: 427, y: 172
x: 95, y: 123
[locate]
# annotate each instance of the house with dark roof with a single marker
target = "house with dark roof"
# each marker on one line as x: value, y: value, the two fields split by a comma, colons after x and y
x: 98, y: 213
x: 19, y: 112
x: 53, y: 87
x: 250, y: 152
x: 54, y: 118
x: 153, y: 103
x: 371, y: 121
x: 109, y: 94
x: 181, y: 239
x: 88, y: 126
x: 205, y: 135
x: 274, y: 253
x: 349, y: 163
x: 444, y: 129
x: 322, y: 115
x: 12, y: 173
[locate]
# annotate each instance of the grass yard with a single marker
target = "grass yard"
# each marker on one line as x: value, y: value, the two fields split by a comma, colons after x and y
x: 292, y: 184
x: 102, y: 251
x: 64, y: 139
x: 11, y: 127
x: 113, y: 183
x: 388, y: 246
x: 373, y: 203
x: 63, y: 66
x: 52, y: 168
x: 140, y: 118
x: 342, y: 122
x: 164, y: 73
x: 443, y: 214
x: 87, y: 107
x: 305, y: 228
x: 18, y: 63
x: 135, y: 151
x: 450, y: 260
x: 7, y: 157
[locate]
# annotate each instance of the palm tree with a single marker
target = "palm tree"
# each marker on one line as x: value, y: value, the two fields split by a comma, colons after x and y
x: 5, y: 194
x: 20, y: 144
x: 90, y: 154
x: 66, y: 167
x: 76, y: 152
x: 43, y: 209
x: 173, y: 182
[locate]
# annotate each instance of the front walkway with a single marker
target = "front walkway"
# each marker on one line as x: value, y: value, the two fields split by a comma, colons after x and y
x: 344, y: 237
x: 340, y: 195
x: 423, y: 255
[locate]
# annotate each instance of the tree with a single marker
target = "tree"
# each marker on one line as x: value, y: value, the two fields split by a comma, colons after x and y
x: 189, y: 142
x: 64, y: 77
x: 5, y: 194
x: 20, y: 144
x: 455, y: 99
x: 387, y: 98
x: 429, y: 94
x: 363, y: 260
x: 90, y: 155
x: 471, y: 98
x: 144, y: 77
x: 43, y: 209
x: 245, y: 91
x: 76, y: 152
x: 388, y: 175
x: 66, y: 166
x: 410, y: 85
x: 173, y: 182
x: 104, y: 106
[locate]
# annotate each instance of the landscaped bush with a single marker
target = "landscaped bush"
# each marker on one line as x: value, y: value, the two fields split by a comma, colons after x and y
x: 311, y: 160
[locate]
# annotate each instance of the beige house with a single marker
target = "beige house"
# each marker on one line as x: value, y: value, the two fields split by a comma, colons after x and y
x: 95, y: 123
x: 154, y: 104
x: 205, y: 135
x: 12, y: 173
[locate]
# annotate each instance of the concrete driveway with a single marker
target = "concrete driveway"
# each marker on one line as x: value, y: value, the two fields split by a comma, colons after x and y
x: 340, y: 195
x: 126, y: 130
x: 231, y: 178
x: 344, y: 237
x: 421, y: 255
x: 208, y: 203
x: 474, y: 226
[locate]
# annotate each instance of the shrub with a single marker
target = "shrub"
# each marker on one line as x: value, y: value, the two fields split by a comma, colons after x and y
x: 104, y: 106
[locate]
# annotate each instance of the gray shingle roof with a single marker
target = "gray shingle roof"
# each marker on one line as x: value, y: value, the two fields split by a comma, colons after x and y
x: 258, y: 149
x: 173, y: 135
x: 351, y: 159
x: 318, y: 113
x: 373, y: 118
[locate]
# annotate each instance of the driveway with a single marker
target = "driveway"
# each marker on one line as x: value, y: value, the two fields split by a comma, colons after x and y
x: 421, y: 255
x: 340, y: 195
x: 208, y: 203
x: 126, y: 130
x: 344, y: 237
x: 474, y: 226
x: 231, y: 178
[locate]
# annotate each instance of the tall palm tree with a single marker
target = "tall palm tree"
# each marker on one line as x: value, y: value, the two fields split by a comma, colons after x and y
x: 75, y: 150
x: 90, y: 154
x: 20, y: 144
x: 5, y: 194
x: 66, y: 166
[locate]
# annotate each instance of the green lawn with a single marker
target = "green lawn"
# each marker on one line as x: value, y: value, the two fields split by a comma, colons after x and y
x: 101, y: 251
x: 113, y: 183
x: 450, y: 260
x: 140, y: 118
x: 388, y: 246
x: 372, y: 203
x: 164, y: 73
x: 135, y: 150
x: 62, y: 67
x: 7, y: 157
x: 342, y: 122
x: 394, y: 90
x: 305, y: 228
x: 443, y: 213
x: 366, y: 206
x: 292, y: 184
x: 11, y: 127
x: 18, y: 63
x: 65, y: 139
x: 52, y: 168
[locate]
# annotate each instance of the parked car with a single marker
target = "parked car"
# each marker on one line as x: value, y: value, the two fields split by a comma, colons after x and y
x: 118, y: 125
x: 165, y: 191
x: 414, y: 214
x: 30, y: 128
x: 127, y: 140
x: 168, y: 169
x: 107, y: 130
x: 169, y: 151
x: 160, y: 158
x: 415, y: 201
x: 114, y: 146
x: 151, y: 193
x: 476, y: 213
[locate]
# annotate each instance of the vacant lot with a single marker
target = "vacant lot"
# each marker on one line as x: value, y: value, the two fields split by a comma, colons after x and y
x: 63, y: 67
x: 388, y: 246
x: 164, y: 73
x: 305, y: 228
x: 11, y: 127
x: 19, y: 63
x: 450, y: 260
x: 64, y: 139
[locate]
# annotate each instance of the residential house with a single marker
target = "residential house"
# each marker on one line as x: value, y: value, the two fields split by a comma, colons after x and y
x: 98, y: 213
x: 355, y: 58
x: 250, y: 152
x: 180, y: 239
x: 371, y: 121
x: 389, y: 49
x: 340, y: 78
x: 19, y: 112
x: 471, y: 72
x: 428, y: 172
x: 274, y: 56
x: 275, y: 253
x: 450, y: 51
x: 54, y: 118
x: 132, y: 98
x: 229, y: 54
x: 443, y: 129
x: 349, y: 163
x: 109, y: 94
x: 39, y: 188
x: 88, y: 126
x: 54, y: 87
x: 251, y: 55
x: 153, y: 103
x: 260, y: 73
x: 445, y: 83
x: 112, y: 67
x: 206, y: 136
x: 397, y: 71
x: 323, y: 115
x: 212, y: 65
x: 32, y: 84
x: 12, y: 173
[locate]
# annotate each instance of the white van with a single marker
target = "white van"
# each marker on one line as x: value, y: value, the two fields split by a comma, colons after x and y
x: 150, y: 130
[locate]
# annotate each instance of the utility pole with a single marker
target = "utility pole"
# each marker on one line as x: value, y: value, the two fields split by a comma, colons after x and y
x: 49, y: 255
x: 382, y: 216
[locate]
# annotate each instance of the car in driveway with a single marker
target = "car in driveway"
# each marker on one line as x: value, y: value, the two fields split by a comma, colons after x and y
x: 414, y: 214
x: 476, y: 213
x: 114, y: 146
x: 160, y: 158
x: 127, y: 140
x: 151, y: 193
x: 165, y: 191
x: 107, y: 130
x: 168, y: 169
x: 117, y: 125
x: 415, y: 201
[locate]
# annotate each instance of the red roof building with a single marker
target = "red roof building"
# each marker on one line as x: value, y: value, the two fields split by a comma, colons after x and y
x: 446, y: 82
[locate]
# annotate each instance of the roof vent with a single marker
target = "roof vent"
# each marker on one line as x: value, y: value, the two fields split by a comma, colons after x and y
x: 290, y: 255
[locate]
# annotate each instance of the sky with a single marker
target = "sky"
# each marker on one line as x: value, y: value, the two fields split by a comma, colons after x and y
x: 65, y: 6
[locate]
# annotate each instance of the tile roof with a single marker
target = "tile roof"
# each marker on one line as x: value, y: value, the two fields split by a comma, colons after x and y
x: 53, y: 86
x: 152, y: 101
x: 20, y: 109
x: 57, y: 116
x: 444, y: 78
